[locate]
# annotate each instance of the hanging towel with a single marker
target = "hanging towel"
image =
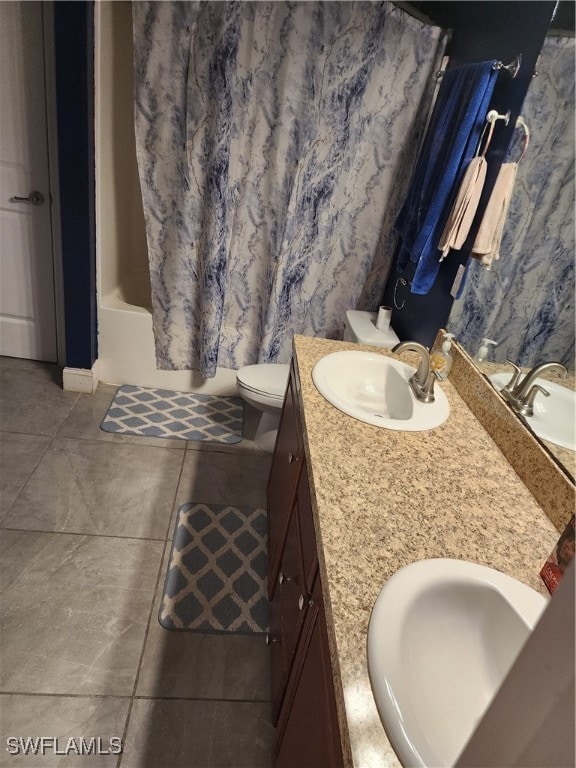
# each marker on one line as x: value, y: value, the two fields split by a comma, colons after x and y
x: 462, y: 214
x: 449, y: 145
x: 487, y: 244
x: 464, y: 209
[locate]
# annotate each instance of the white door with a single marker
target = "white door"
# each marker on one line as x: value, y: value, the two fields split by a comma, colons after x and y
x: 27, y: 309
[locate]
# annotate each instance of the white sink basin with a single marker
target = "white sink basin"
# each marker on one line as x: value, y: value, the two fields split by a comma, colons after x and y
x: 555, y: 416
x: 443, y: 634
x: 374, y: 388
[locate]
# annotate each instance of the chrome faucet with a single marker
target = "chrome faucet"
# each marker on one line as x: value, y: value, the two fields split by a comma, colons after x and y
x: 422, y: 382
x: 521, y: 394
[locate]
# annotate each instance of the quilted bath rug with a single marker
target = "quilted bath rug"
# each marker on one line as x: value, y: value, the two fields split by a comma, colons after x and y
x: 163, y: 413
x: 217, y: 572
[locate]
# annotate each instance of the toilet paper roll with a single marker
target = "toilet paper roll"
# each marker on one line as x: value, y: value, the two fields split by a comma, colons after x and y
x: 383, y: 319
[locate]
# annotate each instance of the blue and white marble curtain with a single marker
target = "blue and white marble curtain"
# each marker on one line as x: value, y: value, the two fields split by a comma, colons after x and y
x: 273, y: 141
x: 526, y: 303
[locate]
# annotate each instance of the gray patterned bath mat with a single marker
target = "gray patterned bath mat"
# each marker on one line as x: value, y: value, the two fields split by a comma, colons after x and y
x: 163, y: 413
x: 217, y: 572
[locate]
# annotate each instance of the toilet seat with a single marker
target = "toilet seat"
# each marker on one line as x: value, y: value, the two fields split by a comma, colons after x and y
x: 268, y: 380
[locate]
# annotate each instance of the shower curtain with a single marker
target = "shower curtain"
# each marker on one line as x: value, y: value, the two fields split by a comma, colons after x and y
x: 274, y: 141
x: 526, y: 303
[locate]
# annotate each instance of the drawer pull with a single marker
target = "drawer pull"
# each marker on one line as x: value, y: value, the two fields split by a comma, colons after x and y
x: 270, y: 639
x: 292, y: 458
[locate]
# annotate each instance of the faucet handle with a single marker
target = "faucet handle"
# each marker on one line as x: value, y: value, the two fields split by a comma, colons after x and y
x: 533, y: 391
x: 527, y: 405
x: 515, y: 377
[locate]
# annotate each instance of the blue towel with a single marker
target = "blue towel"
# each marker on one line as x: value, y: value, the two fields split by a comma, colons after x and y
x: 448, y: 147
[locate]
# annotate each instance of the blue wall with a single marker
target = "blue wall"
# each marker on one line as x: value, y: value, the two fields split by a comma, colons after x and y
x: 74, y: 44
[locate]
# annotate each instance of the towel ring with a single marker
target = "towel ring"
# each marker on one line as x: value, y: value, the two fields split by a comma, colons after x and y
x: 402, y: 282
x: 521, y: 123
x: 491, y: 123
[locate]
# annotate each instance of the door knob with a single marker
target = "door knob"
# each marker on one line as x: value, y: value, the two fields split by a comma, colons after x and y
x: 35, y: 197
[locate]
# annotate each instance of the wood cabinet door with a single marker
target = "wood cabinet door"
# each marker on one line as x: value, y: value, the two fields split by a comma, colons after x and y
x: 287, y: 612
x: 307, y: 532
x: 308, y: 735
x: 282, y: 482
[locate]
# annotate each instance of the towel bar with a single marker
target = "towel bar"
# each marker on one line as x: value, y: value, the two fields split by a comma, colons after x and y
x: 513, y: 68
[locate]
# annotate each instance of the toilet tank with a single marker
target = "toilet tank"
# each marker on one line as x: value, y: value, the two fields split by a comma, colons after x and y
x: 360, y: 328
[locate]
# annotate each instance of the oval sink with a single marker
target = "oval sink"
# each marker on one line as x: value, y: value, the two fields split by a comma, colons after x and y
x: 374, y: 388
x: 555, y: 416
x: 443, y: 634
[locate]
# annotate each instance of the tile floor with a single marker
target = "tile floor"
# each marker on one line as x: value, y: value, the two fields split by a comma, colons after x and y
x: 85, y: 529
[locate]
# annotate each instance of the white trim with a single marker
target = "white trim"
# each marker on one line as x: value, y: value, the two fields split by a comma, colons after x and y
x: 52, y: 143
x: 81, y: 379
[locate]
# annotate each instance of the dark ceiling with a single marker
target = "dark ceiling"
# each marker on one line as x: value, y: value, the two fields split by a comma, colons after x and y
x: 452, y: 15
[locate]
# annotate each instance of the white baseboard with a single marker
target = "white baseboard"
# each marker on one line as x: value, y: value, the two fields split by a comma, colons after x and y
x: 81, y: 379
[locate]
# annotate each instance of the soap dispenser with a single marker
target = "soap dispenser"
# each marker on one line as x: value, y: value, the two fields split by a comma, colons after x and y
x: 441, y: 361
x: 482, y: 353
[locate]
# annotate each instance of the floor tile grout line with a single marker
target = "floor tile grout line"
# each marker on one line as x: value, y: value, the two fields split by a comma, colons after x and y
x: 125, y: 731
x: 48, y: 445
x: 202, y: 698
x: 102, y: 441
x: 150, y: 612
x: 244, y: 451
x: 173, y: 507
x: 155, y: 590
x: 80, y: 533
x: 127, y: 697
x: 43, y: 694
x: 144, y: 641
x: 159, y: 574
x: 147, y: 632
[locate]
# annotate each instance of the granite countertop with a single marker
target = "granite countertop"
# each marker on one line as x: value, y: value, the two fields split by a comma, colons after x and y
x: 383, y: 499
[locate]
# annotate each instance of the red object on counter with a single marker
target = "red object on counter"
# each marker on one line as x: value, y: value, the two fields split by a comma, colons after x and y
x: 560, y: 558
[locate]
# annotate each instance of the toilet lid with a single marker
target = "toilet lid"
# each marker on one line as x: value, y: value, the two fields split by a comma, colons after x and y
x: 269, y: 378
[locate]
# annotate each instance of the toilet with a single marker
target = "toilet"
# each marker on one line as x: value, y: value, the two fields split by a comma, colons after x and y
x: 263, y: 386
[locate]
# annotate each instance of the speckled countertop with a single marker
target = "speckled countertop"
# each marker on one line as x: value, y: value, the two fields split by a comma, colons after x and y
x: 383, y: 499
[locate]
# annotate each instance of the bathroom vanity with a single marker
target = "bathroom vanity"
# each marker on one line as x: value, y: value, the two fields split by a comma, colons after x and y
x: 349, y: 504
x: 303, y: 699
